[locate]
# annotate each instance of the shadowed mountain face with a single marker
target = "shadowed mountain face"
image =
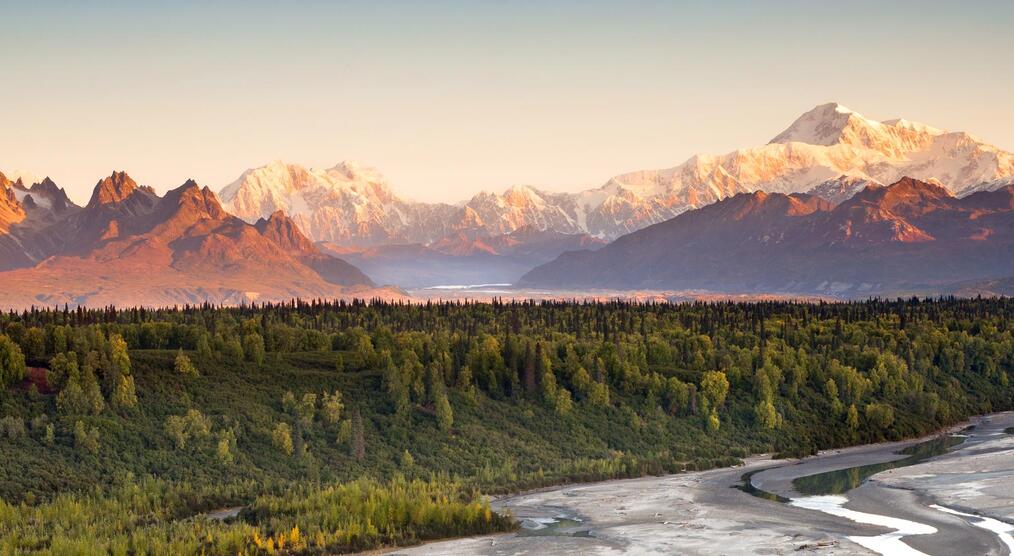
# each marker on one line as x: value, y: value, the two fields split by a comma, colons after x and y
x: 284, y: 233
x: 911, y: 236
x: 130, y: 246
x: 462, y: 260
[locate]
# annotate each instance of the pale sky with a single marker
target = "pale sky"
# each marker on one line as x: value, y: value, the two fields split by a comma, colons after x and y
x: 449, y: 98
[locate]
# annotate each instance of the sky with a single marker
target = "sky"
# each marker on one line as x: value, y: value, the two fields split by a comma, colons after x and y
x: 450, y: 98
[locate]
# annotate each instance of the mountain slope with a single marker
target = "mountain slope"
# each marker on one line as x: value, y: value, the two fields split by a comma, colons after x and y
x: 130, y: 246
x: 11, y: 211
x: 352, y: 206
x: 283, y: 232
x: 346, y: 204
x: 463, y: 260
x: 910, y: 236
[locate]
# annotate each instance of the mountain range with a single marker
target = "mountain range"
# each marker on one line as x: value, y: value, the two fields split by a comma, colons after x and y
x: 909, y: 237
x: 129, y: 246
x: 353, y: 206
x: 830, y: 151
x: 808, y: 212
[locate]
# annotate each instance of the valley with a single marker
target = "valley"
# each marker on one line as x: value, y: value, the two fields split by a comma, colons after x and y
x: 506, y: 278
x: 694, y: 513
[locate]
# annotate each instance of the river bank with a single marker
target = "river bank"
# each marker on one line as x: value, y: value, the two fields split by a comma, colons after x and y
x: 703, y: 512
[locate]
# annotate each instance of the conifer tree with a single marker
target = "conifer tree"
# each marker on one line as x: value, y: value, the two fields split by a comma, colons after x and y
x: 445, y: 415
x: 358, y: 440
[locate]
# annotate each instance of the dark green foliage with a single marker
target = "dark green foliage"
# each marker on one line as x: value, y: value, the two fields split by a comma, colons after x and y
x: 12, y: 362
x: 294, y: 401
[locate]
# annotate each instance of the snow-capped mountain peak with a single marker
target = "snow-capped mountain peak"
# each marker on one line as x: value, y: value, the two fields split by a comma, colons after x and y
x: 831, y: 149
x: 824, y: 125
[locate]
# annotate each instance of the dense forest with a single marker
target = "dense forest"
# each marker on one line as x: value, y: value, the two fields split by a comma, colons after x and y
x: 340, y: 426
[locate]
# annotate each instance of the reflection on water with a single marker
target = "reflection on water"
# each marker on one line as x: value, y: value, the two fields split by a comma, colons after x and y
x: 844, y: 480
x: 747, y: 487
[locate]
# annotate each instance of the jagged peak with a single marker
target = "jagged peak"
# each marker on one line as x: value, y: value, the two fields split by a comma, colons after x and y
x: 349, y: 166
x: 837, y: 107
x: 353, y: 171
x: 763, y: 204
x: 46, y: 183
x: 15, y: 176
x: 115, y: 188
x: 276, y: 220
x: 281, y: 229
x: 522, y: 194
x: 823, y: 125
x: 190, y: 184
x: 931, y: 187
x: 191, y: 197
x: 905, y: 197
x: 280, y: 178
x: 278, y: 216
x: 913, y: 126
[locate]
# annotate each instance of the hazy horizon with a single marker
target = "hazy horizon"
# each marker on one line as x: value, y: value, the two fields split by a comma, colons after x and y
x: 448, y: 99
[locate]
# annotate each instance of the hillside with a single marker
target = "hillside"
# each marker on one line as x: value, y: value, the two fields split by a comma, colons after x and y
x: 909, y: 237
x: 141, y: 419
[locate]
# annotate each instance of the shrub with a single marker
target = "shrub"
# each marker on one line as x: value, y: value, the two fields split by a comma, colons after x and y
x: 281, y: 437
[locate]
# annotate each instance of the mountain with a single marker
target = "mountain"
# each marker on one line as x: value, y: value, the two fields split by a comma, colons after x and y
x: 464, y: 260
x: 911, y: 236
x: 840, y: 189
x: 991, y: 185
x: 830, y: 150
x: 130, y: 246
x: 283, y: 232
x: 347, y: 204
x: 24, y: 212
x: 11, y: 210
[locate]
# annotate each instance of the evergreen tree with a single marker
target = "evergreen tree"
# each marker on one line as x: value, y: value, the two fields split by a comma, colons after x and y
x: 445, y: 415
x: 85, y: 438
x: 358, y: 440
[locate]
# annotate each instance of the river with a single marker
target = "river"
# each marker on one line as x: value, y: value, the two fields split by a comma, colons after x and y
x: 946, y: 495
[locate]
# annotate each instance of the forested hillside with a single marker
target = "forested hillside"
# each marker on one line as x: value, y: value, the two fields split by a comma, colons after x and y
x: 345, y: 426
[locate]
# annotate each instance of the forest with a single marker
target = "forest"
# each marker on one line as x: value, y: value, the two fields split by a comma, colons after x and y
x: 337, y: 426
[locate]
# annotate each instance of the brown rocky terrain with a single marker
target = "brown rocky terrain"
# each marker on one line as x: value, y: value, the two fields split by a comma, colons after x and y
x: 128, y: 246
